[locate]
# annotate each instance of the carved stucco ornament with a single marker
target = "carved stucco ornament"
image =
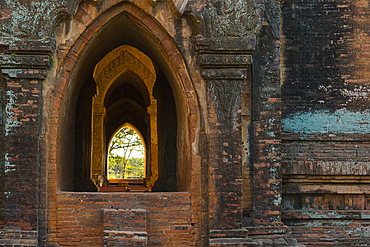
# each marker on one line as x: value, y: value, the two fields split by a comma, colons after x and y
x: 272, y: 14
x: 177, y: 6
x: 4, y: 10
x: 21, y: 19
x: 231, y: 18
x: 227, y: 101
x: 230, y: 27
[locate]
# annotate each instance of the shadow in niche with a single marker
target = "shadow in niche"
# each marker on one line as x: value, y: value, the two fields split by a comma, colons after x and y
x: 126, y: 104
x: 167, y: 135
x: 83, y: 138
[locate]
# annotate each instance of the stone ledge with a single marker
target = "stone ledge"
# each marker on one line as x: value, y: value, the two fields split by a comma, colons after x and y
x: 129, y: 234
x: 39, y: 46
x: 24, y: 61
x: 233, y: 233
x: 265, y: 230
x: 229, y: 60
x: 125, y: 238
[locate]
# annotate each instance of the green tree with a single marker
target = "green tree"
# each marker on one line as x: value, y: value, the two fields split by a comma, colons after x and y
x: 125, y: 143
x: 135, y: 167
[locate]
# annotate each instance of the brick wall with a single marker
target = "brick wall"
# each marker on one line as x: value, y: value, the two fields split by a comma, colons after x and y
x: 323, y: 70
x: 80, y: 217
x: 326, y: 44
x: 325, y: 120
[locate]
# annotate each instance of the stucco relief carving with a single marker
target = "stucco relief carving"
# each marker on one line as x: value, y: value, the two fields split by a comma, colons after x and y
x: 272, y: 14
x: 22, y: 19
x: 231, y: 18
x: 229, y: 30
x: 227, y: 101
x: 224, y: 62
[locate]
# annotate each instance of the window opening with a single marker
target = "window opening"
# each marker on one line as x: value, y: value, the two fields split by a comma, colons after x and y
x: 126, y: 156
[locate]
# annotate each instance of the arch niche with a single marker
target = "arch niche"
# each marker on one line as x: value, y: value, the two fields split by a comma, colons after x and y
x: 110, y: 74
x: 123, y: 54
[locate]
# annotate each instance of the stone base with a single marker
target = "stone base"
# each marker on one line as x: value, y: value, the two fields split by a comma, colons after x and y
x: 276, y: 241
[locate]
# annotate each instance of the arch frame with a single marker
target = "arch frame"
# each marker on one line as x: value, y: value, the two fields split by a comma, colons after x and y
x: 111, y: 67
x: 55, y: 101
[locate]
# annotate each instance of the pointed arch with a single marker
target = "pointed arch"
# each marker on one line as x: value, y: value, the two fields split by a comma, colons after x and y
x: 108, y: 70
x: 126, y: 22
x: 137, y: 132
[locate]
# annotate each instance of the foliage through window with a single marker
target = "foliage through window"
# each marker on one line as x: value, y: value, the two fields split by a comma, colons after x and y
x: 126, y: 158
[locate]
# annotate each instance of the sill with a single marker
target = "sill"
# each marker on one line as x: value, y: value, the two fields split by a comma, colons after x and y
x: 124, y: 189
x: 127, y: 181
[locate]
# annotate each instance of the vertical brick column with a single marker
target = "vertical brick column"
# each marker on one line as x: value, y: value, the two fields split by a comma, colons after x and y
x: 23, y: 67
x: 266, y: 117
x: 225, y: 66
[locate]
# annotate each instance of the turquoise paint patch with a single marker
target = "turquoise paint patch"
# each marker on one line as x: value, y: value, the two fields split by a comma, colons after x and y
x: 11, y: 121
x: 324, y: 122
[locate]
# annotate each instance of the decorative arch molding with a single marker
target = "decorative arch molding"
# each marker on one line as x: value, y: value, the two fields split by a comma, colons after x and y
x: 36, y: 19
x: 184, y: 93
x: 177, y: 6
x: 30, y: 19
x: 168, y: 46
x: 106, y: 72
x: 160, y: 37
x: 122, y: 59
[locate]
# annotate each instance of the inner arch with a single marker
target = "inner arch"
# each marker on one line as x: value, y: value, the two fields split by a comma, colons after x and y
x: 123, y: 64
x: 125, y: 29
x: 126, y: 154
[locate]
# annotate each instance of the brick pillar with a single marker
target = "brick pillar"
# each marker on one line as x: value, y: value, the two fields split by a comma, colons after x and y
x: 225, y: 66
x: 23, y: 67
x: 98, y: 135
x: 266, y: 119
